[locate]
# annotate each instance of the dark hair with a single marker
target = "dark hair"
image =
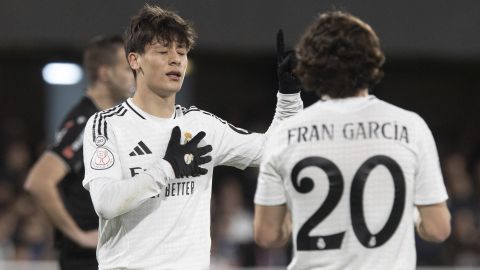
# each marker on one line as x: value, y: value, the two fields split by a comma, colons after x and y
x: 339, y: 55
x: 152, y: 23
x: 101, y: 50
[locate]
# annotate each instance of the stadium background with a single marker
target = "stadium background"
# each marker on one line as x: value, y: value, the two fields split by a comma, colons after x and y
x: 433, y: 66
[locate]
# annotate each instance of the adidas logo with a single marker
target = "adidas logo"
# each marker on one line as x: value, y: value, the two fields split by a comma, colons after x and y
x: 138, y: 150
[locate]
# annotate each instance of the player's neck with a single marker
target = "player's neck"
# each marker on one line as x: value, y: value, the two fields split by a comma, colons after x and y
x: 362, y: 93
x: 154, y: 104
x: 101, y: 96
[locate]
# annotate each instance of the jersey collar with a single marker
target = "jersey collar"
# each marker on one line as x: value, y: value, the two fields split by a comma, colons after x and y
x: 144, y: 115
x: 347, y: 104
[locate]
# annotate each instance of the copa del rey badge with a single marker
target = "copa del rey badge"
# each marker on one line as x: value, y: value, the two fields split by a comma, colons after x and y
x: 102, y: 159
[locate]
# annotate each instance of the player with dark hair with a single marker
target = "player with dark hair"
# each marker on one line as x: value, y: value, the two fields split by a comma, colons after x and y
x: 55, y: 181
x: 346, y: 175
x: 149, y: 162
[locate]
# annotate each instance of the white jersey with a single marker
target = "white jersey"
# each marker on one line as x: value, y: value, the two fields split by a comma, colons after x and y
x: 351, y: 171
x: 171, y: 230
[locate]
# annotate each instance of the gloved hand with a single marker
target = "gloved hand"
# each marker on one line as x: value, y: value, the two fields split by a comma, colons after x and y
x: 187, y: 158
x: 288, y: 83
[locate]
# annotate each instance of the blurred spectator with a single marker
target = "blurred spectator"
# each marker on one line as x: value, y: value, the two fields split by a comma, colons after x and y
x: 7, y: 194
x: 32, y: 231
x: 233, y: 224
x: 475, y: 171
x: 7, y: 228
x: 33, y: 234
x: 17, y: 162
x: 459, y: 181
x: 465, y: 238
x: 24, y: 232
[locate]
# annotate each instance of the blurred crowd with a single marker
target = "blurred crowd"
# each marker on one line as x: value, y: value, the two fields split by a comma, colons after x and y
x: 462, y: 178
x: 25, y: 233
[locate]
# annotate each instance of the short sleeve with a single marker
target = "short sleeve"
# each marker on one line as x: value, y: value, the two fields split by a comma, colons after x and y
x: 68, y: 142
x: 429, y: 185
x: 270, y: 186
x: 100, y: 154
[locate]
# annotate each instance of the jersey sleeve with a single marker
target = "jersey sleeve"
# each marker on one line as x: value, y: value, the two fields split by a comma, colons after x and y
x: 68, y: 142
x: 270, y: 185
x: 100, y: 154
x: 240, y: 148
x: 288, y: 105
x: 429, y: 185
x: 236, y: 147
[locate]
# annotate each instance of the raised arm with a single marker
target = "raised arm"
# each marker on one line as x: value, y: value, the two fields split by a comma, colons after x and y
x: 240, y: 148
x: 289, y: 101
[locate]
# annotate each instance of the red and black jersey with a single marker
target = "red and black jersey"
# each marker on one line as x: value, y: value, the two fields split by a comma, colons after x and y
x: 68, y: 146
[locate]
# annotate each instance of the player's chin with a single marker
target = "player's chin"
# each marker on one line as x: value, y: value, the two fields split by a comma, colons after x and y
x: 174, y: 86
x: 167, y: 91
x: 126, y: 93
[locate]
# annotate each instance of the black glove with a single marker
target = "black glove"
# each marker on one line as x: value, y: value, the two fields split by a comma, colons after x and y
x: 186, y: 159
x: 288, y: 83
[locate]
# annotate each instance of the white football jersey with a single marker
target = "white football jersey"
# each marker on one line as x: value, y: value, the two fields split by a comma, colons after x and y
x: 351, y: 171
x: 170, y: 230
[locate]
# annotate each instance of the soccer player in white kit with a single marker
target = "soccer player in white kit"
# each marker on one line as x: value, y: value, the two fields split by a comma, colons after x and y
x: 149, y: 162
x: 345, y: 176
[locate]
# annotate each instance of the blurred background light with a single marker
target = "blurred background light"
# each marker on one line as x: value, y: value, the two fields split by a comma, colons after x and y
x: 62, y: 73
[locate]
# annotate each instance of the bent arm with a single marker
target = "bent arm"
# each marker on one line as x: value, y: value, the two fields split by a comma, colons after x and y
x: 112, y: 192
x: 113, y: 197
x: 272, y: 225
x: 433, y: 222
x: 42, y: 183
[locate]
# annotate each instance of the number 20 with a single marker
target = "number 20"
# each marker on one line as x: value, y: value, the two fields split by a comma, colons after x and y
x: 336, y: 185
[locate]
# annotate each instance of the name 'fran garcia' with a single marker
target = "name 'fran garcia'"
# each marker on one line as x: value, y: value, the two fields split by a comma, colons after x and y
x: 350, y: 131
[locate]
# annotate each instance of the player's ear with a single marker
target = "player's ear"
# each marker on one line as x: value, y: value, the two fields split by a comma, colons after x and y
x: 103, y: 71
x: 134, y: 60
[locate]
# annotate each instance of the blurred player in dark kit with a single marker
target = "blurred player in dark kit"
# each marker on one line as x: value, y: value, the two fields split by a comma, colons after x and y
x: 55, y: 181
